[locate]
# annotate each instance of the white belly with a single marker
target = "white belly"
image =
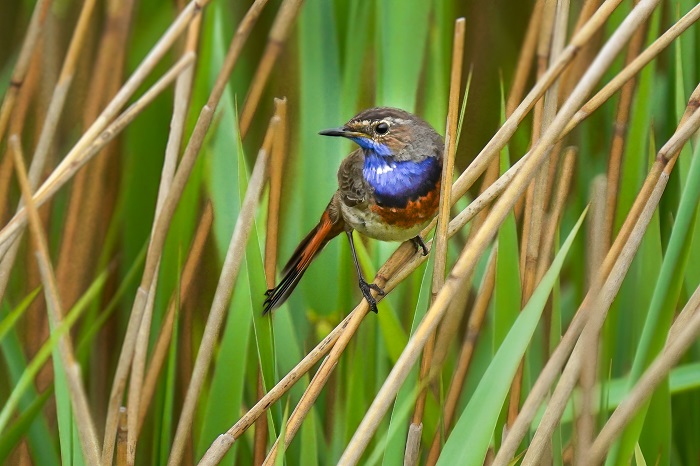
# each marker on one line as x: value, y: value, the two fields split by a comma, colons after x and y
x: 370, y: 224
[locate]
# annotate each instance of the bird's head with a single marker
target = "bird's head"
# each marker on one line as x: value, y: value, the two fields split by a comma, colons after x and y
x: 391, y: 132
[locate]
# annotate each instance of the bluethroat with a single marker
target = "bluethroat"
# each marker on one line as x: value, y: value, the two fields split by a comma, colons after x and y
x: 388, y: 189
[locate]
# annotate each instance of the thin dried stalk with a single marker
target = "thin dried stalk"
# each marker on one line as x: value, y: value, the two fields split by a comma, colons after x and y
x: 122, y: 434
x: 142, y: 71
x: 172, y: 151
x: 585, y: 423
x: 618, y: 143
x: 222, y: 296
x: 567, y: 173
x: 36, y: 26
x: 472, y: 251
x: 646, y: 199
x: 81, y: 410
x: 527, y: 53
x: 476, y: 319
x: 160, y: 349
x: 652, y: 377
x: 286, y: 15
x: 279, y: 150
x: 443, y: 221
x: 82, y: 231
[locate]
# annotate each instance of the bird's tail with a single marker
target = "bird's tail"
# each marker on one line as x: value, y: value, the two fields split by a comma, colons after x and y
x: 301, y: 259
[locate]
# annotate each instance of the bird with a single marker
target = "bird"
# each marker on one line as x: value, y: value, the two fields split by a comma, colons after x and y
x: 388, y: 189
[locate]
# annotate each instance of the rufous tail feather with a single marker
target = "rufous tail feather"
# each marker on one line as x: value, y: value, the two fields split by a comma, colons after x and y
x: 302, y: 257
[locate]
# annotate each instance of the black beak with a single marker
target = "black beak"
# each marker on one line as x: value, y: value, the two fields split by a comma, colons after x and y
x: 344, y: 132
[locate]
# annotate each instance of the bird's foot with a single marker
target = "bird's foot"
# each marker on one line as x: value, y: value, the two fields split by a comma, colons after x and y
x: 420, y: 244
x: 366, y: 289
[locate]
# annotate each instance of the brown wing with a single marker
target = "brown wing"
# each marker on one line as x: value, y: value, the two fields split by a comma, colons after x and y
x: 352, y: 187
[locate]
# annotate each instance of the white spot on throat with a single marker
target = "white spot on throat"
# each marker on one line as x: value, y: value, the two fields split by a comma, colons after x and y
x: 386, y: 168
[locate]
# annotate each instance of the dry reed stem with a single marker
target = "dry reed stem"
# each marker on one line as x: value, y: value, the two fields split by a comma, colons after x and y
x: 177, y: 125
x: 527, y: 52
x: 476, y: 319
x: 81, y: 409
x: 646, y: 199
x: 142, y: 71
x: 160, y: 349
x: 34, y: 30
x: 222, y: 297
x: 585, y: 421
x: 279, y: 31
x: 558, y: 204
x: 25, y: 96
x: 443, y: 221
x: 81, y: 232
x: 122, y: 434
x: 472, y: 251
x: 279, y: 150
x: 644, y: 388
x: 48, y: 128
x: 683, y: 319
x: 617, y: 147
x: 163, y: 220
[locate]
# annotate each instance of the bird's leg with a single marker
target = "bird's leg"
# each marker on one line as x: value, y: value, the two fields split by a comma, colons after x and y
x: 420, y: 244
x: 364, y: 286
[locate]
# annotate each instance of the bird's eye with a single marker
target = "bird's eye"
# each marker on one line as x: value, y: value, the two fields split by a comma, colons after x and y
x: 382, y: 128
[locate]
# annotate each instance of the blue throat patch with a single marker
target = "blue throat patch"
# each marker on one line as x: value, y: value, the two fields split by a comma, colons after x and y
x: 397, y: 182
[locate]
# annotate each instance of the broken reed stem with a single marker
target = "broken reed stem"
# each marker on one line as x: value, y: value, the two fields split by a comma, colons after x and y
x: 647, y: 198
x: 122, y: 434
x: 617, y: 146
x: 644, y: 388
x: 279, y: 31
x: 192, y: 10
x: 476, y: 319
x: 183, y: 88
x: 472, y: 251
x: 163, y: 220
x: 160, y: 349
x: 222, y: 297
x: 443, y: 221
x: 79, y: 403
x: 34, y: 30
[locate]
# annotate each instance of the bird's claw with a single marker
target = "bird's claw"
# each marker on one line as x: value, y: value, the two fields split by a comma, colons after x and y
x: 367, y: 293
x: 420, y: 244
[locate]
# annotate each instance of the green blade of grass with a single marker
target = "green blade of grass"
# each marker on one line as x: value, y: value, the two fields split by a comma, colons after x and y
x: 8, y: 322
